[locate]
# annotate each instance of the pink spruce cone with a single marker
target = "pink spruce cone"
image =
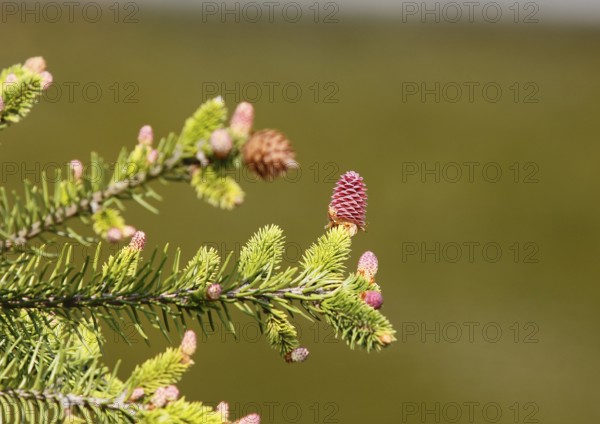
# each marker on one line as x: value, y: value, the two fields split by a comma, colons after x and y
x: 146, y: 135
x: 242, y: 119
x: 367, y: 266
x: 349, y: 201
x: 373, y: 298
x: 1, y: 104
x: 35, y: 64
x: 138, y: 241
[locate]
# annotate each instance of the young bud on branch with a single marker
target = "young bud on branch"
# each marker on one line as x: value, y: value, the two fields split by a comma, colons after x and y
x: 221, y: 143
x: 213, y: 292
x: 159, y: 400
x: 46, y: 79
x: 171, y: 393
x: 128, y: 231
x: 367, y: 266
x: 137, y: 394
x: 386, y: 339
x: 297, y: 355
x: 189, y: 343
x: 242, y: 119
x: 152, y: 156
x: 146, y: 135
x: 373, y: 298
x: 77, y: 169
x: 114, y: 235
x: 35, y: 64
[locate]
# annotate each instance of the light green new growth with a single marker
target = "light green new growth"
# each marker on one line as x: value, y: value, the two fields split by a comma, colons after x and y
x: 262, y: 253
x: 325, y: 259
x: 281, y: 334
x: 18, y: 97
x: 218, y: 190
x: 163, y: 370
x: 53, y: 307
x: 209, y: 117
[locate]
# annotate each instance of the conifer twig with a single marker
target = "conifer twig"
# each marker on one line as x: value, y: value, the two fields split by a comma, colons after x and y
x: 51, y: 313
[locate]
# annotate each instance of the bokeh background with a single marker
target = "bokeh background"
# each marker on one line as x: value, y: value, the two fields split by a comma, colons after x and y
x: 490, y: 279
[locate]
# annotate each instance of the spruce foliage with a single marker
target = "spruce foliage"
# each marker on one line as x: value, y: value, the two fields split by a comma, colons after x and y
x: 53, y: 307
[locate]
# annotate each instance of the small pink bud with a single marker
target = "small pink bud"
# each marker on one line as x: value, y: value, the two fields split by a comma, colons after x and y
x: 249, y: 419
x: 1, y: 104
x: 243, y: 119
x: 349, y: 201
x: 223, y: 410
x: 138, y: 241
x: 35, y: 64
x: 213, y: 292
x: 137, y: 394
x: 367, y: 266
x: 11, y: 79
x: 297, y: 355
x: 77, y: 169
x: 114, y: 235
x: 221, y: 143
x: 385, y: 339
x: 128, y: 231
x: 46, y: 79
x: 171, y: 393
x: 373, y: 298
x: 152, y: 156
x: 189, y: 343
x: 160, y: 397
x: 146, y: 135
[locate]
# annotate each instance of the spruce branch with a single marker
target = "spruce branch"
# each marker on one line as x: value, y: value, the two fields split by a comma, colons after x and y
x: 127, y: 287
x: 67, y: 304
x: 51, y: 313
x: 21, y: 87
x: 203, y: 155
x: 42, y: 406
x: 72, y: 386
x: 63, y: 305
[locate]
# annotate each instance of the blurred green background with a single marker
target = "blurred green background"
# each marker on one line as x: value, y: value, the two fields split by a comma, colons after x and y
x: 541, y: 293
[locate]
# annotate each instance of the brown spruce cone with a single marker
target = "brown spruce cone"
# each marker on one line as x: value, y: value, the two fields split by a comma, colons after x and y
x: 269, y: 154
